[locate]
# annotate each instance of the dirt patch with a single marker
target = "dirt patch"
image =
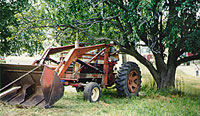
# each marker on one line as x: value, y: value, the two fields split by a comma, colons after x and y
x: 162, y: 97
x: 103, y: 103
x: 157, y: 97
x: 175, y: 96
x: 198, y: 86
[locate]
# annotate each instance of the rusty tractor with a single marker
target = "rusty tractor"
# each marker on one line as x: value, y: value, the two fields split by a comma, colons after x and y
x: 87, y: 68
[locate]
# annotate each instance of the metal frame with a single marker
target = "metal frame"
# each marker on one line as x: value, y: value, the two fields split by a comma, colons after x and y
x: 74, y: 56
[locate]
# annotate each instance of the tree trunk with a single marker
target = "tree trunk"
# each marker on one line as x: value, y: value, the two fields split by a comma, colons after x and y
x: 166, y: 78
x: 163, y: 74
x: 124, y: 58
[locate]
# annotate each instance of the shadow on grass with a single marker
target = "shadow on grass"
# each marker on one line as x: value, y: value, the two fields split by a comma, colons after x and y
x: 110, y: 96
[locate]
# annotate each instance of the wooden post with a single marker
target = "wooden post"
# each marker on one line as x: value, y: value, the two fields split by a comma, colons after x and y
x: 77, y: 41
x: 77, y: 65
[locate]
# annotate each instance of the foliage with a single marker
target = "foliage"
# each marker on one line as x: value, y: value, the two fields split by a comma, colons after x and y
x: 123, y: 22
x: 126, y: 22
x: 8, y: 10
x: 50, y: 22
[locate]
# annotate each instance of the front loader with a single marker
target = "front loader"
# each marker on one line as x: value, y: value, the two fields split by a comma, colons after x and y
x: 87, y: 68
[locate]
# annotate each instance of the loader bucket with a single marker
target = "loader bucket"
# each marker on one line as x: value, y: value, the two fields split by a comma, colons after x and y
x: 29, y: 85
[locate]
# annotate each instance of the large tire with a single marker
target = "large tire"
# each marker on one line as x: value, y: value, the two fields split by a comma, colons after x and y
x: 92, y: 92
x: 128, y: 80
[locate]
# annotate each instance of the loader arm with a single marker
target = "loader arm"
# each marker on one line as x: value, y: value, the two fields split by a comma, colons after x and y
x: 51, y: 51
x: 78, y: 52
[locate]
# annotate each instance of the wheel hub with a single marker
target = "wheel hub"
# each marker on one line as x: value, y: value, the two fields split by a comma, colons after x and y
x: 133, y: 81
x: 95, y: 94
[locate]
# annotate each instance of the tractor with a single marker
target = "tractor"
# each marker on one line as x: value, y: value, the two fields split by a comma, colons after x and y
x: 88, y: 68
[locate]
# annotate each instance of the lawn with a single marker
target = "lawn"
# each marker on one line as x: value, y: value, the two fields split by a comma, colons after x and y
x: 110, y: 105
x: 150, y: 102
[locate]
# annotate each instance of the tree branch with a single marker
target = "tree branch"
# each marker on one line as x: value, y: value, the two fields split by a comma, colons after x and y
x: 133, y: 52
x: 143, y: 36
x: 76, y: 25
x: 186, y: 59
x: 119, y: 24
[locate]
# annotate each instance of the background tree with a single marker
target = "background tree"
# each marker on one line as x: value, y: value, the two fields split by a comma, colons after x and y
x: 15, y: 40
x: 168, y: 27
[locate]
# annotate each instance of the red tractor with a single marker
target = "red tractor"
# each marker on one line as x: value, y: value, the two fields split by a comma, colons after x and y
x: 87, y: 68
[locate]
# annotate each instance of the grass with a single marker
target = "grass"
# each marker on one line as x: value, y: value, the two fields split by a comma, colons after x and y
x: 150, y: 102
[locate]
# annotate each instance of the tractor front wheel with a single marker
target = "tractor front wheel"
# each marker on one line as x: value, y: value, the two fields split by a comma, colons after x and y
x: 92, y: 92
x: 128, y: 80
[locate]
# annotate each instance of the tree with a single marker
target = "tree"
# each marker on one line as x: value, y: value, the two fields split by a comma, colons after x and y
x: 13, y: 40
x: 168, y: 27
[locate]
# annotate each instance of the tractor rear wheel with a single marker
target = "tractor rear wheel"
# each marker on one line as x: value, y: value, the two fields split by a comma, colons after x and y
x: 128, y: 80
x: 92, y: 92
